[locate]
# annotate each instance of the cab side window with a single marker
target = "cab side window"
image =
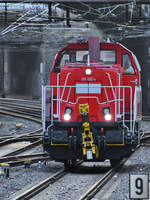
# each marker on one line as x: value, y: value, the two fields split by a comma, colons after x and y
x: 127, y: 67
x: 108, y: 56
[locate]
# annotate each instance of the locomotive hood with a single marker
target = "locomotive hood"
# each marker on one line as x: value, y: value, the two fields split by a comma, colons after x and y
x: 97, y: 73
x: 89, y: 87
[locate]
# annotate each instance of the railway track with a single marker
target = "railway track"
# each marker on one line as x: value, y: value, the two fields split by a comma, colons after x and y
x: 19, y: 160
x: 29, y: 138
x: 43, y: 184
x: 56, y: 177
x: 145, y: 139
x: 20, y: 101
x: 25, y: 104
x: 23, y: 149
x: 33, y: 138
x: 21, y: 108
x: 14, y: 161
x: 21, y: 114
x: 26, y: 110
x: 102, y: 181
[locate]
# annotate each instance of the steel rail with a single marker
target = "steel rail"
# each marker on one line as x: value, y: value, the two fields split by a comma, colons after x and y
x: 146, y: 118
x: 24, y: 105
x: 145, y: 139
x: 103, y: 181
x: 14, y: 161
x: 20, y: 139
x: 17, y: 105
x: 21, y: 108
x: 20, y: 111
x: 23, y: 149
x: 31, y: 136
x: 15, y: 158
x: 15, y: 99
x: 19, y: 115
x: 36, y: 140
x: 20, y: 101
x: 30, y: 161
x: 43, y: 184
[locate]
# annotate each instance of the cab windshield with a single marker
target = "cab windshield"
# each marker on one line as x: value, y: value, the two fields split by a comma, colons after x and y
x: 107, y: 57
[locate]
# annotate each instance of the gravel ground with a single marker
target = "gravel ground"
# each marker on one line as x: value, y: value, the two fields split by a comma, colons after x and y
x: 73, y: 185
x: 8, y: 126
x: 19, y: 176
x: 23, y: 178
x: 118, y: 187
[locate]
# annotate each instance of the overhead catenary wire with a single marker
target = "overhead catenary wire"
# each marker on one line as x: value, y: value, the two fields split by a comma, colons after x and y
x: 15, y: 22
x: 12, y: 29
x: 23, y: 2
x: 109, y: 12
x: 98, y: 10
x: 9, y: 29
x: 101, y: 13
x: 91, y: 8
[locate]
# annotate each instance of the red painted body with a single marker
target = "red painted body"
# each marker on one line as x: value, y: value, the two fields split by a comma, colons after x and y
x: 100, y: 75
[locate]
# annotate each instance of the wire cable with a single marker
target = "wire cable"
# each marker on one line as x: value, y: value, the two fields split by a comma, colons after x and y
x: 12, y: 29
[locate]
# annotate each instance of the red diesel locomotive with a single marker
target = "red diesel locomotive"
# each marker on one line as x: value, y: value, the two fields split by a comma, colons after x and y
x: 92, y: 107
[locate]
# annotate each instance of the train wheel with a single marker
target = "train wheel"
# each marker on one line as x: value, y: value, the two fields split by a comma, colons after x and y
x: 69, y: 164
x: 114, y: 162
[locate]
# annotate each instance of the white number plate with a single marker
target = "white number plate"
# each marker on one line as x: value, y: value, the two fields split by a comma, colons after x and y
x: 85, y: 88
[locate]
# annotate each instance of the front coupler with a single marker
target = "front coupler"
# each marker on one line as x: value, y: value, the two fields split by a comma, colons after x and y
x: 89, y: 148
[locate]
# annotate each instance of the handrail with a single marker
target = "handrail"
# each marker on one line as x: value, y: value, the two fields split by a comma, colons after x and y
x: 119, y: 107
x: 64, y: 87
x: 111, y: 84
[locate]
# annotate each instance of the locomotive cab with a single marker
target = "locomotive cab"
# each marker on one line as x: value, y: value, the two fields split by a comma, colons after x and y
x: 92, y: 108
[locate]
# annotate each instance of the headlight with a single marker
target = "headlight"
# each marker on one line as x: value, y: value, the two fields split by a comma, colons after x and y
x: 106, y: 111
x: 68, y: 110
x: 67, y: 116
x: 88, y: 71
x: 46, y: 134
x: 108, y: 117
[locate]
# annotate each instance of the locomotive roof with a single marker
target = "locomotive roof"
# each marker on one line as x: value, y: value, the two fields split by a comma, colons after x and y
x: 103, y: 45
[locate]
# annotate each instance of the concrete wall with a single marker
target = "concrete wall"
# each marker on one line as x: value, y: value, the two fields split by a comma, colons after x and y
x: 20, y: 70
x: 26, y: 59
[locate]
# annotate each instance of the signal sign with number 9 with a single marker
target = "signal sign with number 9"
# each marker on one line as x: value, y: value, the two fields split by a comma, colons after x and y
x: 139, y: 187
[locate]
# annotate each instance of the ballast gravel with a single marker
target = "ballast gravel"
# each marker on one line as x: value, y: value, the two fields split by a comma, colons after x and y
x: 74, y: 184
x: 118, y: 187
x: 11, y: 126
x: 22, y: 178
